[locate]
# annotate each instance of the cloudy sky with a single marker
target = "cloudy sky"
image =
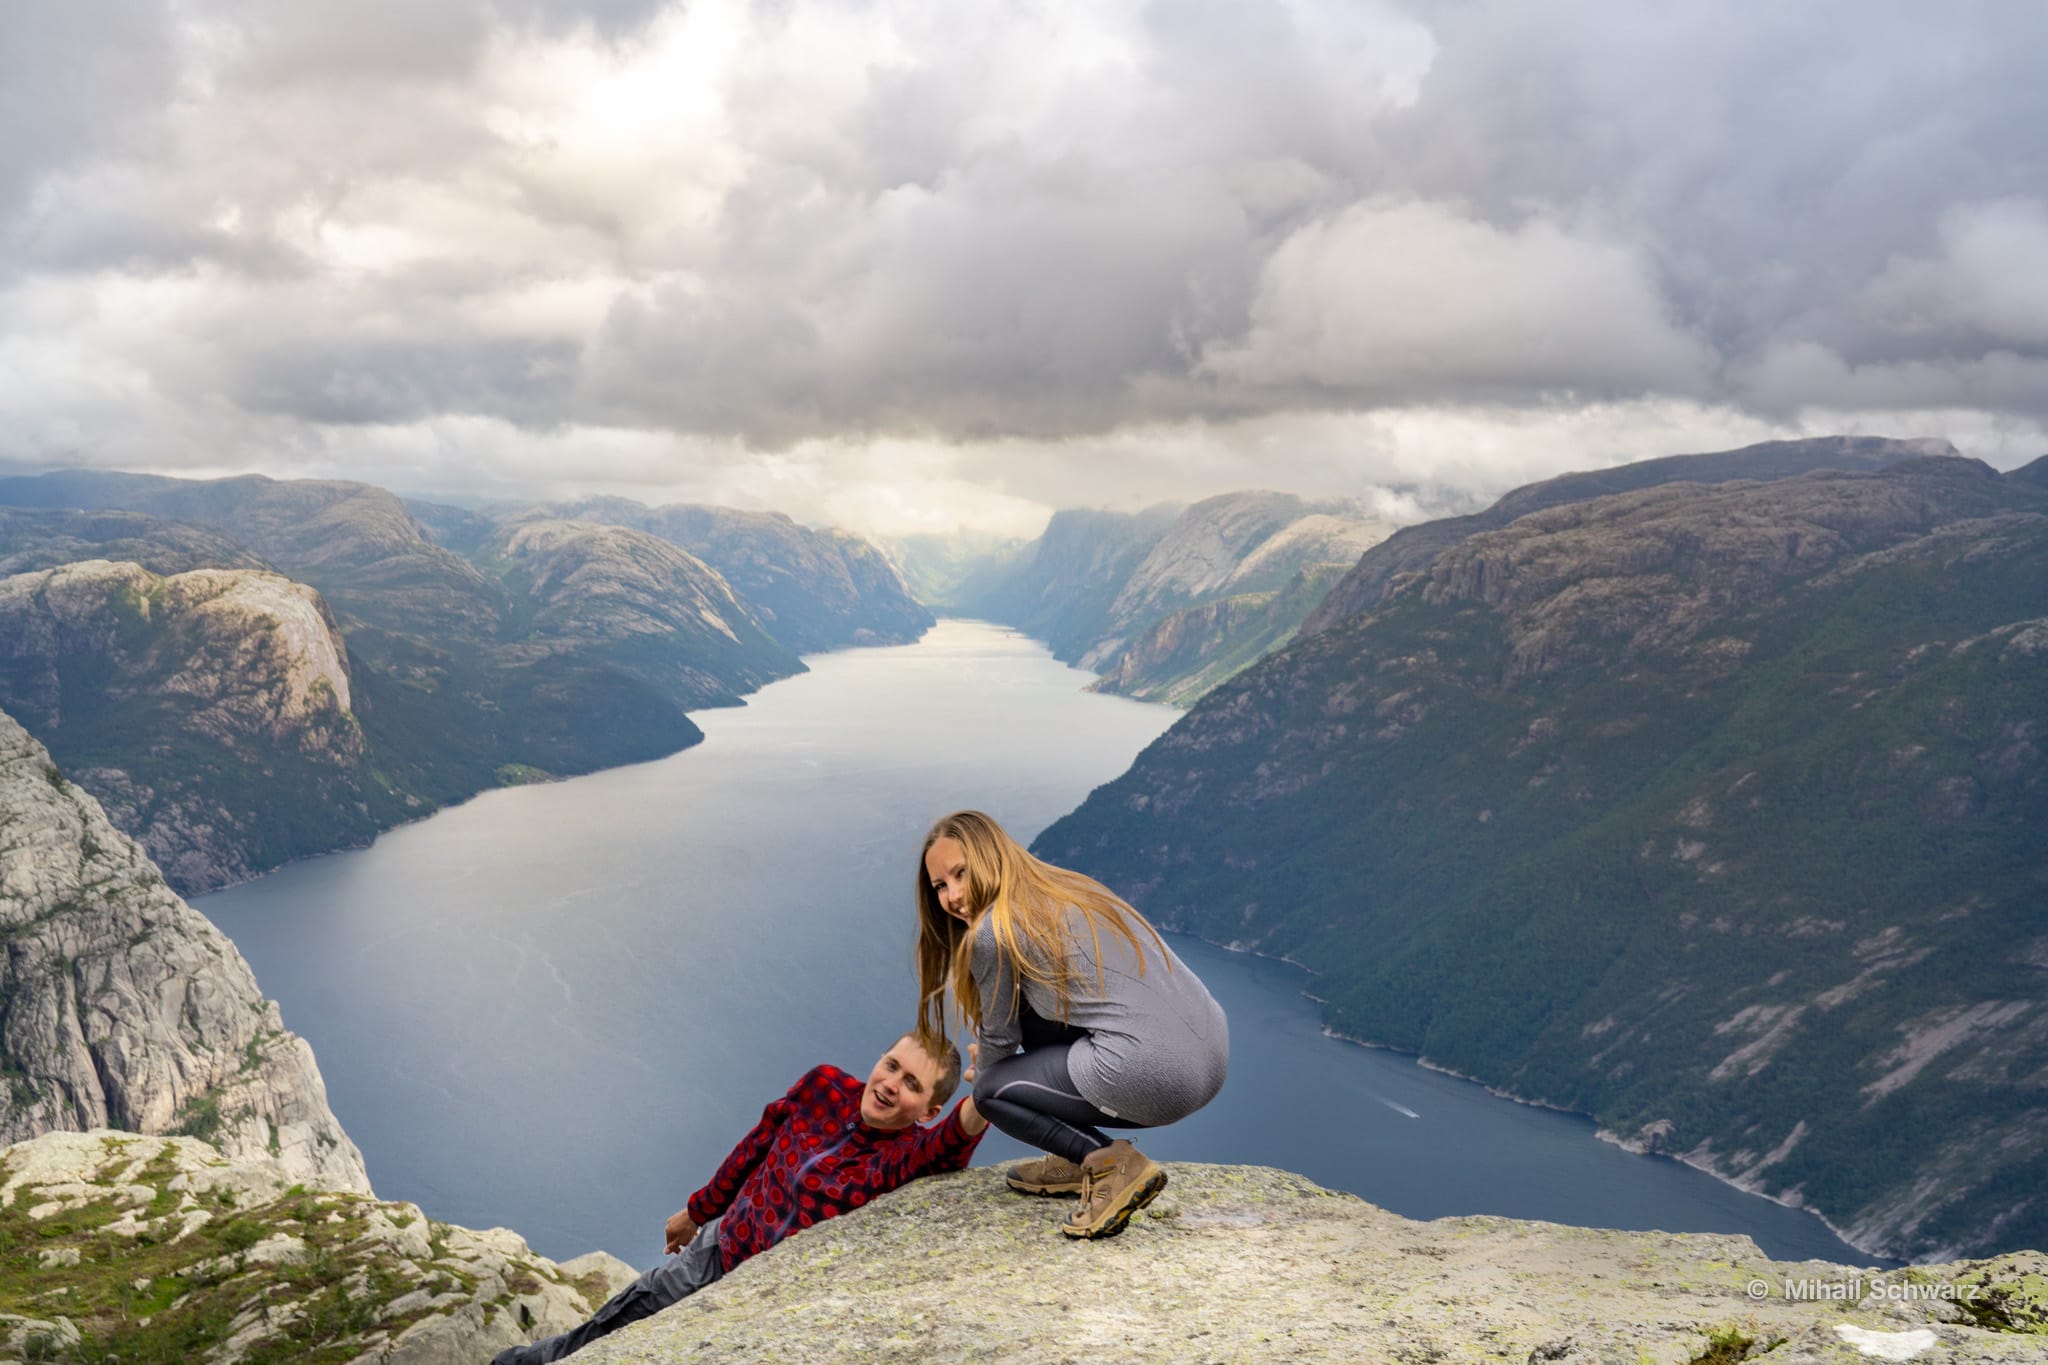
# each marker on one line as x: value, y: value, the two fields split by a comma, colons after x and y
x: 903, y: 264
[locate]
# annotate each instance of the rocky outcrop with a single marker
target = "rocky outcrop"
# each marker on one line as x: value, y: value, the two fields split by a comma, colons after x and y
x: 1692, y: 808
x: 810, y: 588
x: 121, y: 1247
x: 163, y: 694
x: 121, y: 1006
x: 1237, y: 1263
x: 1415, y: 548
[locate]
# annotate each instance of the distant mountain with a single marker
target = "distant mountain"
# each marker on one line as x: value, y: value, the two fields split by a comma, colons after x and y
x: 810, y: 589
x: 1716, y: 812
x: 558, y: 651
x: 455, y: 528
x: 1185, y: 654
x: 36, y: 539
x: 1414, y: 548
x: 944, y: 571
x: 1098, y: 584
x: 596, y: 596
x: 1060, y: 588
x: 122, y: 1007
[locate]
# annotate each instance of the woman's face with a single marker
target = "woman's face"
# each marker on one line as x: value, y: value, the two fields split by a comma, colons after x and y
x: 945, y: 862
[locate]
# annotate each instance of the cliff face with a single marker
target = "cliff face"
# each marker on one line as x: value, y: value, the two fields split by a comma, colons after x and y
x: 1714, y: 812
x: 121, y: 1247
x: 1185, y: 654
x: 121, y: 1006
x: 1103, y: 589
x: 611, y: 596
x: 810, y: 589
x: 1231, y: 545
x: 1239, y: 1263
x: 166, y: 696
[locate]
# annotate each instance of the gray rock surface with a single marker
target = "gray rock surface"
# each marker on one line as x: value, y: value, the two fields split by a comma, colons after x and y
x: 1237, y: 1263
x: 122, y: 1007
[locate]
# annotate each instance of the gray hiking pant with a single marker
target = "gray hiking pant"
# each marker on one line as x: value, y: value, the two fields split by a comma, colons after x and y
x: 670, y: 1280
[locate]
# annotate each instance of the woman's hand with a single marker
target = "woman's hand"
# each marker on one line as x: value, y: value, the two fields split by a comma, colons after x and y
x: 680, y: 1230
x: 971, y: 1118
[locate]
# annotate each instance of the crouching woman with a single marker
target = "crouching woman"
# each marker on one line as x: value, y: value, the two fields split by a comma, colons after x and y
x: 1084, y: 1018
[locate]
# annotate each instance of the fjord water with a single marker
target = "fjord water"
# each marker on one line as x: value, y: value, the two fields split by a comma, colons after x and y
x: 555, y: 1008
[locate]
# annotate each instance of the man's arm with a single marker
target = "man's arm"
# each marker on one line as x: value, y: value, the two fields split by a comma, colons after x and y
x: 711, y: 1201
x: 945, y: 1146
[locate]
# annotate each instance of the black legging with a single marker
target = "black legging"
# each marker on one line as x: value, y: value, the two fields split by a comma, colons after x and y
x: 1030, y: 1095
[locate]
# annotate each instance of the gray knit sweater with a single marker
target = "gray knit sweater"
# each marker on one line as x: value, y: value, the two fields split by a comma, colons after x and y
x: 1158, y: 1044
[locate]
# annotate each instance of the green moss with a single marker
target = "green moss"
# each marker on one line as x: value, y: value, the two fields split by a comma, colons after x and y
x: 2011, y: 1302
x: 199, y: 1118
x: 1730, y: 1345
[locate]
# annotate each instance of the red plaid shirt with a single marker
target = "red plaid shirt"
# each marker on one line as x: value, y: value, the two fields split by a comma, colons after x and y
x: 811, y: 1157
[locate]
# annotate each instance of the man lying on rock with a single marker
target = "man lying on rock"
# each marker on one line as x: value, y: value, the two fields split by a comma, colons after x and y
x: 829, y: 1145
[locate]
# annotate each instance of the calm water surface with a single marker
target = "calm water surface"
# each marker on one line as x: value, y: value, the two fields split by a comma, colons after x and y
x: 555, y: 1008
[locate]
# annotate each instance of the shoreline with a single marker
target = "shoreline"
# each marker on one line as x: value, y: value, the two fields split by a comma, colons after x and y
x: 1600, y: 1133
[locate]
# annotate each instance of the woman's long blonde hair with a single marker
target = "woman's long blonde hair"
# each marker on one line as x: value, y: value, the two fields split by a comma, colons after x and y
x: 1026, y: 901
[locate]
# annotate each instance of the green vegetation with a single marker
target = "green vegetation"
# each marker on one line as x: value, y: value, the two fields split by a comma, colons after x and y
x: 154, y: 1298
x: 1730, y: 1346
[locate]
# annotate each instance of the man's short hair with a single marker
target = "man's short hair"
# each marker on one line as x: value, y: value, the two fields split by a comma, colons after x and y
x: 942, y: 1051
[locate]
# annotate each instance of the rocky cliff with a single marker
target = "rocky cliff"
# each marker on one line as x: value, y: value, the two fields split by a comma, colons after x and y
x: 121, y: 1247
x: 184, y: 702
x: 1414, y: 548
x: 121, y: 1006
x: 810, y: 589
x: 1102, y: 588
x: 1228, y: 546
x: 1237, y: 1263
x: 1183, y: 655
x: 607, y: 596
x: 1716, y: 812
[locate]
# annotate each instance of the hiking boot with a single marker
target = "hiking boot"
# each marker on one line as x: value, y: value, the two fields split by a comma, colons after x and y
x: 1047, y: 1175
x: 1116, y: 1181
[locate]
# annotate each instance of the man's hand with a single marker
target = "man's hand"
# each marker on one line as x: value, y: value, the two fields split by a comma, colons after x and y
x: 680, y: 1231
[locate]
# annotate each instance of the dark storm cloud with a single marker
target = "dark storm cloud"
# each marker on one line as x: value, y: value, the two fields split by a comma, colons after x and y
x: 78, y: 80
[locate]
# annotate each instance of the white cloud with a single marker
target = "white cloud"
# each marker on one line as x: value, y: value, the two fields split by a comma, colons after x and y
x: 905, y: 256
x: 1401, y: 300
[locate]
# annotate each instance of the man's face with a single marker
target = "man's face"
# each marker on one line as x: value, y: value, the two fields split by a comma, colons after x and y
x: 899, y: 1089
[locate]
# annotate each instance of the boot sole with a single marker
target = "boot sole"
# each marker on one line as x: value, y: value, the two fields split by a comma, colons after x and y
x: 1112, y: 1225
x: 1044, y: 1191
